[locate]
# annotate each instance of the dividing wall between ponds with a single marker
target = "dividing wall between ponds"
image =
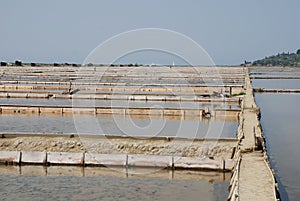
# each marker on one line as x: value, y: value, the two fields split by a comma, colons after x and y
x: 110, y: 86
x: 234, y: 89
x: 60, y: 110
x: 120, y: 160
x: 132, y: 97
x: 253, y: 178
x: 119, y: 172
x: 262, y: 90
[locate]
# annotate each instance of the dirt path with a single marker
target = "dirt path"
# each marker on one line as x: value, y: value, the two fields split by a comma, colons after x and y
x: 256, y: 181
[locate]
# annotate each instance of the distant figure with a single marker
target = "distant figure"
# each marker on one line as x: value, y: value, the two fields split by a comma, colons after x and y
x: 18, y: 63
x: 3, y: 63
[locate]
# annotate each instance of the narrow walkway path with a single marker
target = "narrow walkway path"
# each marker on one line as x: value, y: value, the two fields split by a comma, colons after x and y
x: 256, y: 181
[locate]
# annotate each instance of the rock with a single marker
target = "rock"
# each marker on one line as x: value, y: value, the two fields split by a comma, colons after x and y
x: 120, y: 146
x: 204, y: 152
x: 154, y: 150
x: 141, y: 147
x: 53, y: 144
x: 17, y: 143
x: 213, y: 152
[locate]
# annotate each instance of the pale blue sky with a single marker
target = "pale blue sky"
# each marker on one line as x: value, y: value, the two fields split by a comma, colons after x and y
x: 68, y: 30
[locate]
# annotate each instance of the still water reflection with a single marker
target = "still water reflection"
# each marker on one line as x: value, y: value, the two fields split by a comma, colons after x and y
x: 116, y: 103
x: 102, y: 187
x: 276, y: 83
x: 118, y: 125
x: 280, y: 122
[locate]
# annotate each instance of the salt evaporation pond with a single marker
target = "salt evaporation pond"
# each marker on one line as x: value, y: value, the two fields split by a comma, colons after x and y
x: 276, y: 83
x: 280, y: 114
x: 115, y: 103
x: 91, y: 187
x: 118, y: 125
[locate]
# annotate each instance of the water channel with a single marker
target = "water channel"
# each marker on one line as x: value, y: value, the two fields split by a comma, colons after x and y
x: 280, y: 122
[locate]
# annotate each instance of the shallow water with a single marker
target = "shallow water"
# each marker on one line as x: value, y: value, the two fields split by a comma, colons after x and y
x: 283, y: 72
x: 276, y: 83
x: 22, y: 187
x: 280, y: 114
x: 118, y: 125
x: 275, y: 75
x: 115, y: 103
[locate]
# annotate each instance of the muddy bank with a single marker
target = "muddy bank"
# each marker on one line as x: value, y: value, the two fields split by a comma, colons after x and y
x: 209, y: 148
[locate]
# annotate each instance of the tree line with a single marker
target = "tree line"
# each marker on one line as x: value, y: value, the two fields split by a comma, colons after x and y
x: 281, y: 59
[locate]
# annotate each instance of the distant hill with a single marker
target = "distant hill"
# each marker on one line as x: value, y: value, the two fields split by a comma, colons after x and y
x: 283, y: 59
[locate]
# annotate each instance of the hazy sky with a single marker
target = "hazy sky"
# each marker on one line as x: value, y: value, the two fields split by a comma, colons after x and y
x: 68, y: 30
